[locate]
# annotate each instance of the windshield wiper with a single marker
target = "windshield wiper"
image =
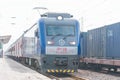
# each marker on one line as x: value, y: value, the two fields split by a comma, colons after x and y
x: 55, y: 36
x: 67, y: 36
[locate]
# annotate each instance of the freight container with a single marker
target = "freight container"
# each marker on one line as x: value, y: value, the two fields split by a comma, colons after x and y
x: 23, y: 47
x: 113, y: 41
x: 104, y: 42
x: 96, y: 42
x: 28, y: 46
x: 83, y: 44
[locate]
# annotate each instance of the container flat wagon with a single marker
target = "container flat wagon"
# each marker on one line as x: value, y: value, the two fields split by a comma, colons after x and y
x: 103, y: 47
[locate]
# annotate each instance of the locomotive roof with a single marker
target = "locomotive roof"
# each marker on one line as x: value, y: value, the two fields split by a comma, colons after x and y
x: 54, y: 15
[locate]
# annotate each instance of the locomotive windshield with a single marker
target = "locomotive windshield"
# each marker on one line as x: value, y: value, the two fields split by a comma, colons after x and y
x: 60, y: 30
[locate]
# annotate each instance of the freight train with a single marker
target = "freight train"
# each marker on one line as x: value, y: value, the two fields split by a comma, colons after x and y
x: 51, y: 45
x: 101, y: 48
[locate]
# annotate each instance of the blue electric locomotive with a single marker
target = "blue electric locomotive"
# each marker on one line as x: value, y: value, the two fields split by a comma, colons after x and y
x: 57, y: 44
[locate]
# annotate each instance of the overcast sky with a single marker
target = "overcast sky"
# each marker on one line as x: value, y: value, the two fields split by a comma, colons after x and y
x: 92, y: 13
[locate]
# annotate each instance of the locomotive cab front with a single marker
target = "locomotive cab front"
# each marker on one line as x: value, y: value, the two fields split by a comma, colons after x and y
x: 59, y: 40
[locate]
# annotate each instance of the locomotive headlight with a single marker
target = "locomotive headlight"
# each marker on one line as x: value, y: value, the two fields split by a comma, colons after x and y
x: 72, y: 43
x: 60, y: 18
x: 50, y: 42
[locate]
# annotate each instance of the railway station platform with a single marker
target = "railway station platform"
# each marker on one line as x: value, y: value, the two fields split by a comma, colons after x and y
x: 12, y: 70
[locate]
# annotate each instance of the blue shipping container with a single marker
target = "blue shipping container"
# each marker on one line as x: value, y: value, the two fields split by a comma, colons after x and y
x: 104, y: 42
x: 113, y: 41
x: 83, y: 44
x: 96, y: 42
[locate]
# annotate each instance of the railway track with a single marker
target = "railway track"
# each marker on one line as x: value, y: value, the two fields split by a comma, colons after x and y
x: 98, y: 75
x: 104, y: 71
x: 77, y: 78
x: 88, y: 76
x: 64, y: 77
